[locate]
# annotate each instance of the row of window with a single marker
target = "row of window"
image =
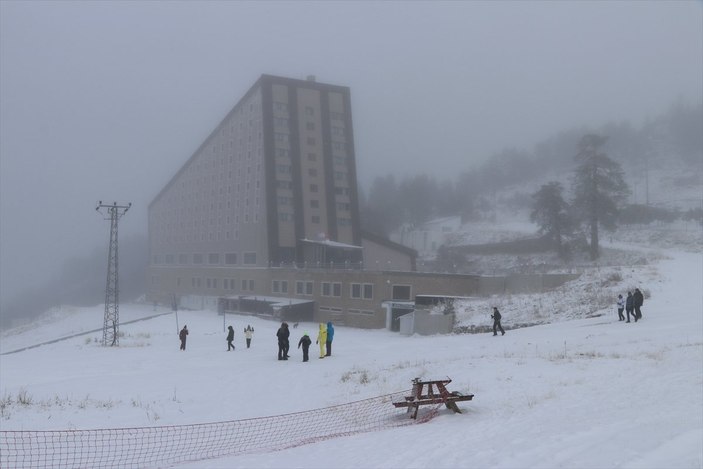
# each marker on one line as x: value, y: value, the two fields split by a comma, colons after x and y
x: 357, y: 291
x: 227, y: 283
x: 338, y: 311
x: 213, y: 258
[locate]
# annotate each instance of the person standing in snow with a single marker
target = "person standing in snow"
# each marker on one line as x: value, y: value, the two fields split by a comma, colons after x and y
x: 322, y: 339
x: 629, y: 306
x: 283, y: 335
x: 621, y: 308
x: 182, y: 335
x: 330, y: 336
x: 305, y: 342
x: 230, y: 338
x: 496, y: 322
x: 248, y: 333
x: 638, y: 299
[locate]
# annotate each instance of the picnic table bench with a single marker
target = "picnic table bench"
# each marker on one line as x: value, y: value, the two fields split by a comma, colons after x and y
x: 440, y: 395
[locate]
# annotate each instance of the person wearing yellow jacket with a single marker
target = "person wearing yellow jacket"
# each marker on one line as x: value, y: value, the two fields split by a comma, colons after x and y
x: 322, y: 339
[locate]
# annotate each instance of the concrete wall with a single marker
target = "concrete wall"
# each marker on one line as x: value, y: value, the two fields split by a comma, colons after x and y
x: 424, y: 323
x: 343, y: 305
x: 522, y: 283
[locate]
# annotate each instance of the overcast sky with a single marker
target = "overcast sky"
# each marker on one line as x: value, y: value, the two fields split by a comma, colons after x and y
x: 106, y: 100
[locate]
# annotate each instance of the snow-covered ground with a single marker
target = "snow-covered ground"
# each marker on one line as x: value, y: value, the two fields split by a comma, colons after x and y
x: 582, y: 390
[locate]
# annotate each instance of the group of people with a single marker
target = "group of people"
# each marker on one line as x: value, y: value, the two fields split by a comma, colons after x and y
x: 248, y: 334
x: 632, y: 305
x: 325, y: 335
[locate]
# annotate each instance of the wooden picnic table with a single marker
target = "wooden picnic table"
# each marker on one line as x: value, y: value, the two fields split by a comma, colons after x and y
x: 436, y: 393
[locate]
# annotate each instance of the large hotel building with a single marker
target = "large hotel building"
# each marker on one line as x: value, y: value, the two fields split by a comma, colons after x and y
x: 264, y: 216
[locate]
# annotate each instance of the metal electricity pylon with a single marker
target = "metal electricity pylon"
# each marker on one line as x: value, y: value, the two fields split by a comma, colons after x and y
x: 111, y: 325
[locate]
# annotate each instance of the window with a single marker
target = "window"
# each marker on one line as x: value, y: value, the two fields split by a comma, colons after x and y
x: 197, y: 258
x: 310, y: 125
x: 401, y: 292
x: 213, y: 258
x: 314, y: 203
x: 361, y: 291
x: 355, y: 290
x: 251, y: 285
x: 315, y: 219
x: 244, y: 284
x: 303, y: 287
x: 183, y: 259
x: 279, y: 286
x: 313, y: 188
x: 312, y: 156
x: 361, y: 311
x: 312, y: 172
x: 309, y: 111
x: 311, y: 140
x: 168, y: 259
x: 331, y: 289
x: 231, y: 258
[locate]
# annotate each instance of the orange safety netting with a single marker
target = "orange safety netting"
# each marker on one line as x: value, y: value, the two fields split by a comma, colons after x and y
x: 144, y: 447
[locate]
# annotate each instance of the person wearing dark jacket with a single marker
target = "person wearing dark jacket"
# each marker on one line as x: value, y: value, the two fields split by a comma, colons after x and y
x: 230, y: 338
x: 638, y: 299
x: 630, y: 306
x: 305, y: 341
x: 330, y: 336
x: 496, y: 322
x: 182, y: 335
x: 283, y: 333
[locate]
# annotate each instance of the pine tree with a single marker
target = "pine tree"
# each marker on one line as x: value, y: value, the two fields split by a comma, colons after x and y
x: 551, y: 212
x: 599, y: 188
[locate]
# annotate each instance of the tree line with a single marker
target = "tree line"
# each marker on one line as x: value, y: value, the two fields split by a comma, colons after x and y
x: 600, y: 156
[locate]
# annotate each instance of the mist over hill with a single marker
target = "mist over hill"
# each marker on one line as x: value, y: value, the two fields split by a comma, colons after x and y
x: 662, y: 159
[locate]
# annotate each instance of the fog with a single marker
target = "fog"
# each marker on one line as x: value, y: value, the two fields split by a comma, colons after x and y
x: 106, y: 100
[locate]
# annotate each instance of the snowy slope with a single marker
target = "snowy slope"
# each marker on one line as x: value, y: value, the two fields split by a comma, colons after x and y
x: 579, y: 392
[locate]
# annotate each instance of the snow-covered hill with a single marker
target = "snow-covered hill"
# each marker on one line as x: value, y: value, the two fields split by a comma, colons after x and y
x: 583, y: 391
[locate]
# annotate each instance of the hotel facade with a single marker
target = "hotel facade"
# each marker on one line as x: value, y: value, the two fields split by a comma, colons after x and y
x: 264, y: 218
